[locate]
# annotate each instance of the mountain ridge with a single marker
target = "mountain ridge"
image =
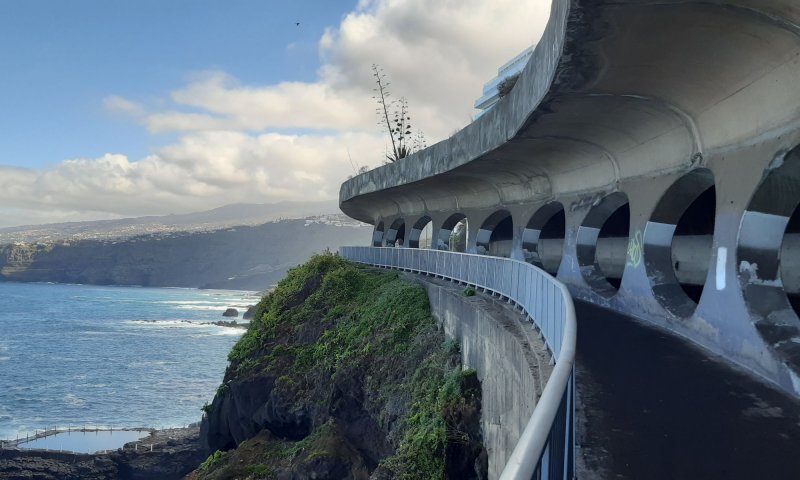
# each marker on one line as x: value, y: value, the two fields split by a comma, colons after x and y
x: 216, y: 218
x: 238, y: 257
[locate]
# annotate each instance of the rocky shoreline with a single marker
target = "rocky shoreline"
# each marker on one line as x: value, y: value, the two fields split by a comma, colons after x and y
x: 174, y: 453
x: 219, y: 323
x: 231, y: 324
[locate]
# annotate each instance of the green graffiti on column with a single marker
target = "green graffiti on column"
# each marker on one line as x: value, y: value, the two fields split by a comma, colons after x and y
x: 635, y: 249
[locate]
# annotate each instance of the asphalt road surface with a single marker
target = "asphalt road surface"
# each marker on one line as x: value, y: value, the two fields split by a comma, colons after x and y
x: 651, y: 406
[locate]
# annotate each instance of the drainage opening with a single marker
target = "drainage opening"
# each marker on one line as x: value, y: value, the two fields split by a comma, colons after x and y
x: 396, y: 236
x: 377, y: 235
x: 692, y: 243
x: 496, y: 234
x: 602, y: 243
x: 790, y: 260
x: 543, y: 238
x: 768, y: 255
x: 420, y: 236
x: 678, y: 242
x: 453, y: 234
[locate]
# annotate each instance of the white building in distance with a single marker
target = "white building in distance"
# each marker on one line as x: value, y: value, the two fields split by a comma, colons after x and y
x: 509, y: 69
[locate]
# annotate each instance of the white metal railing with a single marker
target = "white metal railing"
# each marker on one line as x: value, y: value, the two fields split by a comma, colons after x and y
x: 546, y: 448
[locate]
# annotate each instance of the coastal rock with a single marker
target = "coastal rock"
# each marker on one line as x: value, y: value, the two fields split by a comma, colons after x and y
x: 176, y: 452
x: 250, y: 313
x: 231, y: 312
x: 40, y: 465
x: 290, y: 408
x: 243, y: 408
x: 231, y: 324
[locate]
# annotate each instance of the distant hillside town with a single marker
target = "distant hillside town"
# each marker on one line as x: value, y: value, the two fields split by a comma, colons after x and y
x: 211, y: 220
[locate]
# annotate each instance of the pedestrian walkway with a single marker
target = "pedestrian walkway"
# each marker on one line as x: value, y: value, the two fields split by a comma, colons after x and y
x: 652, y: 406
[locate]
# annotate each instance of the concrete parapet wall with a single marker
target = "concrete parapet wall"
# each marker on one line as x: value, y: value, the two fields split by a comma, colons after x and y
x: 511, y: 361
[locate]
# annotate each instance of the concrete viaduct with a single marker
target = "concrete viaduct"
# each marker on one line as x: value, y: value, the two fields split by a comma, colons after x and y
x: 648, y: 158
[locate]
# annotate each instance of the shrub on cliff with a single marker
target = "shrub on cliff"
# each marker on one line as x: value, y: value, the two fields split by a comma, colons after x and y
x: 505, y: 87
x: 343, y: 373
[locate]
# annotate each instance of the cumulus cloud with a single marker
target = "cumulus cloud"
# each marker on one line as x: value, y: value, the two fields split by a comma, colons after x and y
x: 437, y: 54
x: 227, y: 104
x: 292, y: 140
x: 117, y: 104
x: 203, y: 170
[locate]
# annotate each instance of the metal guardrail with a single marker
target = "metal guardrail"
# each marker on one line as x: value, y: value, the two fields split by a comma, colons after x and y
x: 546, y: 448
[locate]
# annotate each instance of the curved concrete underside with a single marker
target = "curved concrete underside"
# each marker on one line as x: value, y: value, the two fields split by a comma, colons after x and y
x: 615, y: 90
x: 628, y: 96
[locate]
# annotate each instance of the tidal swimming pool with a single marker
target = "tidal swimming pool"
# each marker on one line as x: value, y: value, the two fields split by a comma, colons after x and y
x: 86, y: 442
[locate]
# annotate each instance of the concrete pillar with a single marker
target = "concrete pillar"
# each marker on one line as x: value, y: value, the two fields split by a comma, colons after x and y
x: 473, y: 226
x: 436, y: 227
x: 516, y: 241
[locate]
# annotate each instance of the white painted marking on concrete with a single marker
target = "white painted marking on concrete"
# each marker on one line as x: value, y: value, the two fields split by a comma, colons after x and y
x: 722, y: 258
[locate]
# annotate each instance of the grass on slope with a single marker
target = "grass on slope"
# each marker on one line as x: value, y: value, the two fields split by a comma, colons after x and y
x: 331, y: 318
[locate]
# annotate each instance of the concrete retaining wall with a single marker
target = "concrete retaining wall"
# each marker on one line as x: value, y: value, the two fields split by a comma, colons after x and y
x: 510, y: 359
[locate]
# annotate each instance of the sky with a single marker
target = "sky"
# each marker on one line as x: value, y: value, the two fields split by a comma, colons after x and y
x: 116, y: 109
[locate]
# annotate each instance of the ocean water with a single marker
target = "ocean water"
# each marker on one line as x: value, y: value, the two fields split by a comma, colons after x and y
x: 110, y: 356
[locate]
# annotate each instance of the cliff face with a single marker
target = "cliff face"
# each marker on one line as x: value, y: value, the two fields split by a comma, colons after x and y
x: 344, y: 373
x: 250, y: 258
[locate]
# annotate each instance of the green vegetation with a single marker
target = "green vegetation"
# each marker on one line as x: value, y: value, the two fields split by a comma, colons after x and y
x: 259, y: 470
x: 435, y: 390
x: 368, y: 314
x: 458, y: 237
x: 214, y: 461
x: 399, y: 127
x: 332, y: 328
x: 452, y: 347
x: 263, y: 456
x: 505, y: 87
x: 469, y: 292
x: 221, y: 390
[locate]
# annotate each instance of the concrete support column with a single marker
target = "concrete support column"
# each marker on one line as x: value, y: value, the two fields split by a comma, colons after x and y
x: 436, y: 226
x: 516, y: 243
x: 575, y: 211
x: 473, y: 227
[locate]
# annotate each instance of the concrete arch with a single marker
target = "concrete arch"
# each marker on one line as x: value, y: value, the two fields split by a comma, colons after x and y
x: 450, y: 234
x: 417, y: 230
x: 602, y: 241
x: 496, y: 234
x: 768, y: 254
x: 396, y: 235
x: 543, y: 237
x: 677, y: 242
x: 377, y: 234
